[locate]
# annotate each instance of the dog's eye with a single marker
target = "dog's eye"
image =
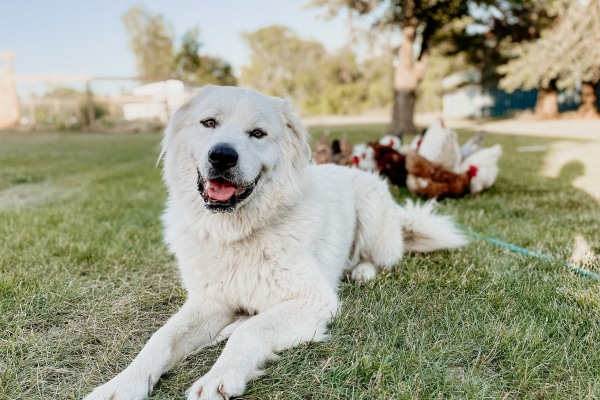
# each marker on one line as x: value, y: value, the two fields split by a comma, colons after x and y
x: 258, y: 133
x: 209, y: 122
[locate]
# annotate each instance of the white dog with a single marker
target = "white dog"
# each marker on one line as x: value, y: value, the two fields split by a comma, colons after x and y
x: 262, y: 239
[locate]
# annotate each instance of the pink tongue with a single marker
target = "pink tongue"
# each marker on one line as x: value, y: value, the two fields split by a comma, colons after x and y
x: 220, y: 191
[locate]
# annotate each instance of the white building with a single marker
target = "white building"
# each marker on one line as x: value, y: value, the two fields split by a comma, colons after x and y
x: 161, y: 99
x: 464, y: 97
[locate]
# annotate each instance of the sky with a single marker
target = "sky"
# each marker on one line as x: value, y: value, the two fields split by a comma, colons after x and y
x: 88, y: 37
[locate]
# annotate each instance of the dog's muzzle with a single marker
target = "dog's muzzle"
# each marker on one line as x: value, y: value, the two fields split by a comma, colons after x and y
x: 223, y: 195
x: 222, y: 189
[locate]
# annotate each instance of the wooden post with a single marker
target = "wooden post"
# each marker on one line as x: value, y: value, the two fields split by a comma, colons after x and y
x: 31, y: 110
x: 90, y: 105
x: 10, y: 108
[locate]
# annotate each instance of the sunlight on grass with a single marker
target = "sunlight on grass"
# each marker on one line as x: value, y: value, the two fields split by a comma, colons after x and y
x: 563, y: 153
x: 85, y: 280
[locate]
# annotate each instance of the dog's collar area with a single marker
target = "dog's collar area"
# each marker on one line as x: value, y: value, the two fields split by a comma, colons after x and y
x: 242, y: 192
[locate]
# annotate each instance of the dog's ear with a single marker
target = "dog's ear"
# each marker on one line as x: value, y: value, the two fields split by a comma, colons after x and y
x: 178, y: 121
x: 295, y: 125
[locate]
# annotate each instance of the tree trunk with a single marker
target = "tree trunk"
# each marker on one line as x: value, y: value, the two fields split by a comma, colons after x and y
x: 407, y: 75
x: 403, y: 112
x: 546, y: 104
x: 588, y: 108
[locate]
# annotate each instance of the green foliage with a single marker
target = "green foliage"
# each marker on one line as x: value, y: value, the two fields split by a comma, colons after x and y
x: 567, y: 53
x: 187, y: 59
x: 196, y: 69
x: 85, y: 280
x: 430, y: 17
x: 64, y: 92
x: 152, y: 43
x: 487, y: 34
x: 320, y: 82
x: 281, y: 63
x: 421, y: 25
x: 151, y: 40
x: 215, y: 70
x: 499, y: 28
x: 100, y: 110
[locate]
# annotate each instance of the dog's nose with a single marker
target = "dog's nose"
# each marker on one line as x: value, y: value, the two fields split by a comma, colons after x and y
x: 222, y: 157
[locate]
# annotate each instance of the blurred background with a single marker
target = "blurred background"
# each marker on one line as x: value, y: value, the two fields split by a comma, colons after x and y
x: 98, y: 65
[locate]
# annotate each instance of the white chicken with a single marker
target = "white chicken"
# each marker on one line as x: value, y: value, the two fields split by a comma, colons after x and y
x: 392, y: 141
x: 482, y: 167
x: 440, y: 145
x: 363, y: 157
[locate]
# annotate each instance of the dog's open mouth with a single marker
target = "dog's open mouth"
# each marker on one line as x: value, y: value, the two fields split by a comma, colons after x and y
x: 222, y: 195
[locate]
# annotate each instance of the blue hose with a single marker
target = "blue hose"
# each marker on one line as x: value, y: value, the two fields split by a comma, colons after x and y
x: 517, y: 249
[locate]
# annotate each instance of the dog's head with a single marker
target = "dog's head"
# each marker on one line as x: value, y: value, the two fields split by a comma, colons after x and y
x: 235, y: 143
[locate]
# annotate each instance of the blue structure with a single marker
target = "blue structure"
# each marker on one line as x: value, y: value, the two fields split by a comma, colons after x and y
x: 466, y: 97
x: 503, y: 104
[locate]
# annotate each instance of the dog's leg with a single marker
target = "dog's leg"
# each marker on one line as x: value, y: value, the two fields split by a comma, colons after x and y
x: 257, y: 340
x: 195, y: 325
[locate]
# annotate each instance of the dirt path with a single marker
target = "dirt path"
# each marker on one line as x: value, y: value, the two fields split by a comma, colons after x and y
x: 567, y: 128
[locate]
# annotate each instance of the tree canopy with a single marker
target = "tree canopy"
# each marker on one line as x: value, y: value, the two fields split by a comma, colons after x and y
x: 194, y: 68
x: 284, y: 64
x: 152, y: 42
x: 429, y: 17
x: 567, y: 53
x: 421, y: 24
x: 485, y: 34
x: 540, y: 45
x: 495, y: 27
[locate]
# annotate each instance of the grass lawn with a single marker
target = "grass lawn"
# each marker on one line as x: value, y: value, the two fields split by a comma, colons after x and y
x: 85, y: 280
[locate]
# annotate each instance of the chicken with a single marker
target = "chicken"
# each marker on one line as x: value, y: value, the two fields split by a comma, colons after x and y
x: 322, y: 153
x: 432, y: 180
x: 483, y: 167
x: 440, y: 145
x: 391, y: 141
x: 342, y: 151
x: 472, y: 145
x: 390, y: 164
x: 363, y: 157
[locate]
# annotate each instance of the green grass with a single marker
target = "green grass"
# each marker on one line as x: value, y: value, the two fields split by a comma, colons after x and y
x: 85, y: 280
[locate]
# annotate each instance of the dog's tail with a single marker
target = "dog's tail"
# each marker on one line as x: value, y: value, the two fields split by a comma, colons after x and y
x: 424, y: 231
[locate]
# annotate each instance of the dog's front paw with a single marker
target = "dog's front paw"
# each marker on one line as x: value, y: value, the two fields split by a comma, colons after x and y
x: 121, y: 389
x: 363, y: 272
x: 217, y: 387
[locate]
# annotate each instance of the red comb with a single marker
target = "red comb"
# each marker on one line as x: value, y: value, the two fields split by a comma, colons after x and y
x: 472, y: 171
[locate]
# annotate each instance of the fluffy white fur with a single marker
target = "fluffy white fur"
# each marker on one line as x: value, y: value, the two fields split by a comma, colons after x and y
x: 266, y: 274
